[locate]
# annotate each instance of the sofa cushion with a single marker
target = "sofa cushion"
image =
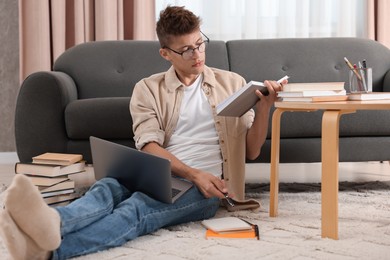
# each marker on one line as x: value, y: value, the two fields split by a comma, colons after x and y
x: 102, y: 117
x: 112, y: 68
x: 307, y: 60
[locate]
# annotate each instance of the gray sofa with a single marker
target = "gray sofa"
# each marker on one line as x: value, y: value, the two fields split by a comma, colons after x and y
x: 89, y: 89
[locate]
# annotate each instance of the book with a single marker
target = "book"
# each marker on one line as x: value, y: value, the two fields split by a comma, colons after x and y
x: 230, y: 227
x: 252, y: 233
x: 315, y: 99
x: 49, y: 170
x: 56, y: 193
x: 369, y: 96
x: 55, y: 200
x: 242, y: 100
x: 314, y: 86
x: 57, y: 158
x: 46, y: 182
x: 312, y: 93
x: 226, y: 224
x: 57, y: 189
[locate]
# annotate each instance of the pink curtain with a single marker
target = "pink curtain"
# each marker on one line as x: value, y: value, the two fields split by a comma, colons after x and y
x: 379, y: 21
x: 48, y: 27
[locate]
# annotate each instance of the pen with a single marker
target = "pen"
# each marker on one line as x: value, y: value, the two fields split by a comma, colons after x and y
x: 255, y: 227
x: 228, y: 199
x: 363, y: 72
x: 364, y: 64
x: 352, y: 68
x: 265, y: 92
x: 282, y: 79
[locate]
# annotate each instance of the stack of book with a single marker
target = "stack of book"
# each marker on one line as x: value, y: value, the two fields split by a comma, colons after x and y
x: 50, y: 172
x: 313, y: 92
x: 230, y: 227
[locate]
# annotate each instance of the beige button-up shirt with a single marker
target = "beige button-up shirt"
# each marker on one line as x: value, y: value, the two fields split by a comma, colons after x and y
x: 155, y: 108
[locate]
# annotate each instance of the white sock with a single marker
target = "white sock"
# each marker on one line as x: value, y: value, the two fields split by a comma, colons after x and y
x: 19, y: 245
x: 31, y: 214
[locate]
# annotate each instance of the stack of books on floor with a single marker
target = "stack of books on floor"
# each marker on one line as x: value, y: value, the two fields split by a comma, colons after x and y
x: 313, y: 92
x: 230, y: 227
x: 50, y: 172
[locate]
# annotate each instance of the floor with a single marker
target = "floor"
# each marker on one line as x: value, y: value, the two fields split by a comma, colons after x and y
x: 255, y: 173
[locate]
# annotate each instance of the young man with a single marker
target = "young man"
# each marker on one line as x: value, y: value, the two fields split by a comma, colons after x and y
x: 174, y: 117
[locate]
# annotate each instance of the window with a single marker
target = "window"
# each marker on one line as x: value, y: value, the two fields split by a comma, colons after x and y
x: 261, y: 19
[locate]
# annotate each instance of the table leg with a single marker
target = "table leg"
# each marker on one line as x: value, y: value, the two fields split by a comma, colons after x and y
x: 330, y: 171
x: 275, y: 148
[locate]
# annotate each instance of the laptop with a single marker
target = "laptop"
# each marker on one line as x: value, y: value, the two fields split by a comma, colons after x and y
x: 137, y: 170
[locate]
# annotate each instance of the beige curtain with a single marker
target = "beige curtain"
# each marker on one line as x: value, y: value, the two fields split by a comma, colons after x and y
x: 48, y: 27
x: 379, y: 21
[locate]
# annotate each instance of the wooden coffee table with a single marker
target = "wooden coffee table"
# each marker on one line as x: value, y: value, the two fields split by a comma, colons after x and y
x: 329, y: 153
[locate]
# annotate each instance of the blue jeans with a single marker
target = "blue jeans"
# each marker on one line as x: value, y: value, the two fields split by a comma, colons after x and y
x: 109, y: 215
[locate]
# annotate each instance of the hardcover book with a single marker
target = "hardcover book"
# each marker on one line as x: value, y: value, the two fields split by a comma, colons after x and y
x: 314, y: 86
x: 47, y: 170
x: 57, y: 158
x: 46, y: 182
x: 226, y: 224
x: 65, y: 187
x: 233, y: 234
x: 311, y: 93
x: 369, y: 96
x: 230, y: 227
x: 242, y: 100
x: 315, y: 99
x: 55, y: 200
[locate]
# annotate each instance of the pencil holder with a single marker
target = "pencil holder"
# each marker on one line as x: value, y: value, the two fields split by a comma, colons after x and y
x: 360, y: 80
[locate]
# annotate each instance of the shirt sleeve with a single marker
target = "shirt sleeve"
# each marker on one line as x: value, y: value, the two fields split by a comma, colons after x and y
x: 146, y: 126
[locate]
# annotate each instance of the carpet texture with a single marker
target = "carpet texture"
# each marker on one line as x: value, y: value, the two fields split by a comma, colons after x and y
x: 364, y: 229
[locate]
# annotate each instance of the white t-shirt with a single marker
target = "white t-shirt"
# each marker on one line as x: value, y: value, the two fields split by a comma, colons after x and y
x: 195, y: 140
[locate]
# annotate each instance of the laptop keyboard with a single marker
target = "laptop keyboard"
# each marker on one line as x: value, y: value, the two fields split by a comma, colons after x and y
x: 175, y: 192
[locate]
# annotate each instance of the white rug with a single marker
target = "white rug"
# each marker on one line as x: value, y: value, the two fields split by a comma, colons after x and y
x: 364, y: 230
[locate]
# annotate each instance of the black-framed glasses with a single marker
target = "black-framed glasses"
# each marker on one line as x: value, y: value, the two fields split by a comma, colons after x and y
x: 187, y: 54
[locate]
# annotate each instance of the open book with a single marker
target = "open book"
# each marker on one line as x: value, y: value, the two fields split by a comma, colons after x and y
x: 242, y: 100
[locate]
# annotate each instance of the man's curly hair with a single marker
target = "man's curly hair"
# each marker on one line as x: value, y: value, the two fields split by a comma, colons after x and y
x: 175, y: 21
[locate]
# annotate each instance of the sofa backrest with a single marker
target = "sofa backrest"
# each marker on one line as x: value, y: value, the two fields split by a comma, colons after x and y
x: 112, y: 68
x: 307, y: 60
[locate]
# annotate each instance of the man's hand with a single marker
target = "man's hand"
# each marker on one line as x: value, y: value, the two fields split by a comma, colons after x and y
x: 258, y: 132
x: 267, y: 101
x: 209, y: 185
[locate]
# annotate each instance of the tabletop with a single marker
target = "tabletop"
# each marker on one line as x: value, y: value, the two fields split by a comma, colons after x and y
x: 337, y: 105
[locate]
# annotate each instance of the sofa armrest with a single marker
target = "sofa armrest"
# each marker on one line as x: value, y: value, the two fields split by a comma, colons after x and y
x: 386, y: 82
x: 39, y: 115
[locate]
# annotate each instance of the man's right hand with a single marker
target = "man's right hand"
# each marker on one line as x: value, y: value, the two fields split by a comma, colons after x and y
x: 209, y: 185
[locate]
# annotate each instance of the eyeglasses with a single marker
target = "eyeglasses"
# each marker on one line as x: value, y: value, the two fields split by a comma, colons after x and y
x: 187, y: 54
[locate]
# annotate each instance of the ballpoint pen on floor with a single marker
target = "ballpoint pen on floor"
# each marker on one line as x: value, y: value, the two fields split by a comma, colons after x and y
x: 255, y: 227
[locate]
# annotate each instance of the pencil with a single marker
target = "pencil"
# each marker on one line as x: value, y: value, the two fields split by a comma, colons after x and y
x: 352, y: 68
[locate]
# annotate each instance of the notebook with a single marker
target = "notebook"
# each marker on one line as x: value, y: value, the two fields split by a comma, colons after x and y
x: 136, y: 170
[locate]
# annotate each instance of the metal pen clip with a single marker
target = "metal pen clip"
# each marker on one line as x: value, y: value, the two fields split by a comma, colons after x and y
x: 228, y: 199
